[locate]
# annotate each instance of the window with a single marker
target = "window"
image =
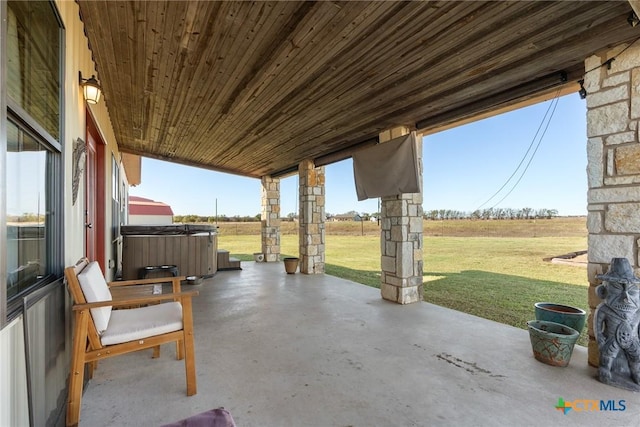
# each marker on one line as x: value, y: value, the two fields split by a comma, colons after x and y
x: 26, y: 210
x: 34, y: 161
x: 33, y: 62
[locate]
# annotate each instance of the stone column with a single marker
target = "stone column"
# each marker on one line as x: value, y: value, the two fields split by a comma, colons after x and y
x: 312, y: 216
x: 270, y: 217
x: 613, y: 149
x: 401, y: 240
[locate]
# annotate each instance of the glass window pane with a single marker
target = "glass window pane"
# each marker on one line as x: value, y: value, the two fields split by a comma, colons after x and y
x: 33, y: 67
x: 26, y: 209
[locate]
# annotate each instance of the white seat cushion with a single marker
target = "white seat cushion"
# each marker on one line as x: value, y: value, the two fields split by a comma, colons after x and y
x: 139, y: 323
x: 95, y: 289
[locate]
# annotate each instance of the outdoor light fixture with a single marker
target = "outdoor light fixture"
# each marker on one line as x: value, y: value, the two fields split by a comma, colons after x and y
x: 582, y: 92
x: 91, y: 89
x: 632, y: 19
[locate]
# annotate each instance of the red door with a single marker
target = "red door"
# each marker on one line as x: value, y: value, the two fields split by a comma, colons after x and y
x: 94, y: 195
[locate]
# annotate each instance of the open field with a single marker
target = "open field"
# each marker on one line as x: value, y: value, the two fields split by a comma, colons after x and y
x: 564, y: 226
x: 498, y: 278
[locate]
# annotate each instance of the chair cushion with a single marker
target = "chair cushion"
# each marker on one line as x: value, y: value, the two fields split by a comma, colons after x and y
x: 95, y: 289
x: 138, y: 323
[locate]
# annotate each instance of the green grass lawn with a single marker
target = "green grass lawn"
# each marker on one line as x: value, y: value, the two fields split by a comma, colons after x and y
x: 498, y: 278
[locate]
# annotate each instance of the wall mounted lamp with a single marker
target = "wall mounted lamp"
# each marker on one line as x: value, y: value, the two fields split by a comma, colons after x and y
x: 90, y: 89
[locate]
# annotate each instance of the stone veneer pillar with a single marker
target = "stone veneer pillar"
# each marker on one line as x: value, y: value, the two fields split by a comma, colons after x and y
x: 311, y: 218
x: 613, y: 149
x: 401, y: 240
x: 270, y: 217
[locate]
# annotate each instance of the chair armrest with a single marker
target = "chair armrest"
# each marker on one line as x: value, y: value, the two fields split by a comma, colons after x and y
x: 156, y: 280
x: 135, y: 301
x: 151, y: 281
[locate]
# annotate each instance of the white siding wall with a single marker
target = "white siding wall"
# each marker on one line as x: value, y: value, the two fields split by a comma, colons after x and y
x: 14, y: 410
x: 78, y: 58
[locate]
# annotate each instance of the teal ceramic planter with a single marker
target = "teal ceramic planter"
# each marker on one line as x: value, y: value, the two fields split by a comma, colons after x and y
x: 552, y: 343
x: 572, y: 317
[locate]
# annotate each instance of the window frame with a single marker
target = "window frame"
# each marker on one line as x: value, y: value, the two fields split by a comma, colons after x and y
x: 54, y: 185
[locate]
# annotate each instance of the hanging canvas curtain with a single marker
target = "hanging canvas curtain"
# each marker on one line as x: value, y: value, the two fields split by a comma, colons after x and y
x: 388, y: 169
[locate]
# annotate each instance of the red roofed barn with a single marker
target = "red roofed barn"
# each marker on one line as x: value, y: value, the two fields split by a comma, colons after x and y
x: 149, y: 212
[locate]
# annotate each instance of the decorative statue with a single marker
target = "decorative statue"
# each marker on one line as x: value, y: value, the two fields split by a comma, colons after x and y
x: 616, y: 322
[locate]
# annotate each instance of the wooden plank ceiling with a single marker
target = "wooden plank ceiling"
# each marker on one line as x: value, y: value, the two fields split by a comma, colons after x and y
x: 253, y: 88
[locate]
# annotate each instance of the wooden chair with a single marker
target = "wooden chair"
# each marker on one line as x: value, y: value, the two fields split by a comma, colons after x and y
x: 100, y: 332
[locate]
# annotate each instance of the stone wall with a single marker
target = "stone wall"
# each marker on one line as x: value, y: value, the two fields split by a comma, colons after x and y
x: 613, y: 148
x: 401, y: 240
x: 312, y: 218
x: 270, y: 216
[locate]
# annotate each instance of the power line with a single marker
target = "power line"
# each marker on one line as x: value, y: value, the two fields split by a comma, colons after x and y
x: 555, y: 104
x: 533, y: 140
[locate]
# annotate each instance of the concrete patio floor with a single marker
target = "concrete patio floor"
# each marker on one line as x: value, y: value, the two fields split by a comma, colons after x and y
x: 297, y: 350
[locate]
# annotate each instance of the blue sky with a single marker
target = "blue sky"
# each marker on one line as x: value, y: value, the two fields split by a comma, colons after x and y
x: 463, y: 168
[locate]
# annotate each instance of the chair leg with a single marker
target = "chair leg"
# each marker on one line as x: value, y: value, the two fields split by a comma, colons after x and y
x: 179, y: 350
x: 92, y: 365
x: 190, y: 358
x: 156, y: 352
x: 76, y: 376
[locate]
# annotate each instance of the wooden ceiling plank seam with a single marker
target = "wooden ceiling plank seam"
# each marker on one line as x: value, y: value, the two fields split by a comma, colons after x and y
x: 200, y: 101
x: 525, y: 64
x: 165, y: 28
x: 203, y: 144
x: 350, y: 89
x: 421, y: 27
x: 283, y: 118
x: 157, y: 73
x: 484, y: 105
x: 151, y: 67
x: 312, y: 64
x: 175, y: 57
x: 293, y: 105
x: 111, y: 13
x: 365, y: 125
x: 174, y: 61
x: 190, y: 85
x: 232, y: 71
x: 384, y: 118
x: 267, y: 48
x: 247, y: 52
x: 214, y: 22
x: 310, y: 22
x: 124, y: 28
x: 138, y: 74
x: 181, y: 79
x: 310, y: 26
x: 446, y: 71
x: 361, y: 53
x: 227, y: 66
x: 286, y: 98
x: 496, y: 27
x: 106, y: 64
x: 258, y: 18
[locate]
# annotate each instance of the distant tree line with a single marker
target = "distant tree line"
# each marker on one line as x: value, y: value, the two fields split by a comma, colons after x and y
x: 214, y: 219
x: 491, y: 213
x: 433, y: 215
